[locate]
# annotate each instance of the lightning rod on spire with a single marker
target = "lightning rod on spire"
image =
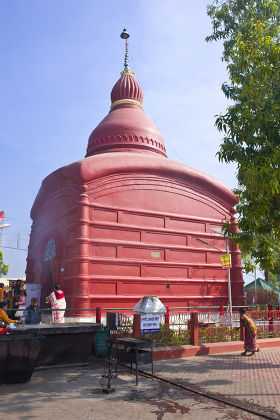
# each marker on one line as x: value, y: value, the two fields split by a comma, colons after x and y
x: 125, y: 35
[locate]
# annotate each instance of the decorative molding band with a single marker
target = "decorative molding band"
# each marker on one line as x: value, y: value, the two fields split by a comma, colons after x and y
x: 125, y: 139
x: 127, y: 73
x: 126, y: 101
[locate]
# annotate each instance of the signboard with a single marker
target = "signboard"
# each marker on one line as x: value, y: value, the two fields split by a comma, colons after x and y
x: 32, y: 290
x: 150, y: 324
x: 226, y: 260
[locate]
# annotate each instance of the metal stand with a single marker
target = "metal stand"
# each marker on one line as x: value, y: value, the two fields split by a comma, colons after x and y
x: 133, y: 351
x: 110, y: 371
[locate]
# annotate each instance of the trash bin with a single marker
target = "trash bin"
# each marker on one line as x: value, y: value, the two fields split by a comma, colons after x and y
x: 101, y: 345
x: 18, y: 357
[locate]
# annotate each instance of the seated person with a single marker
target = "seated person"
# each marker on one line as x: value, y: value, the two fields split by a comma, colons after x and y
x: 32, y: 314
x: 4, y: 318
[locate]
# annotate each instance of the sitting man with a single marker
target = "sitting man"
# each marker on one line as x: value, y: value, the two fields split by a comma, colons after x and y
x: 32, y: 314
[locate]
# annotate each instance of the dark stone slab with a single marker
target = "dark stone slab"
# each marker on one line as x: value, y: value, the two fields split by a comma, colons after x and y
x: 74, y: 328
x: 64, y: 343
x: 18, y: 356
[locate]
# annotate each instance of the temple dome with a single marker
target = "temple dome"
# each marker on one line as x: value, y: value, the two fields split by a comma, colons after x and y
x: 127, y: 87
x: 126, y: 127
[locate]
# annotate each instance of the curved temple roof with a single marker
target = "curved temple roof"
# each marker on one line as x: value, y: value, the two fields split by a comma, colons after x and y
x: 126, y: 127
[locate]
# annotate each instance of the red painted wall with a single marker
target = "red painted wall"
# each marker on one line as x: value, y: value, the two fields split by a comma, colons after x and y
x: 123, y: 233
x: 124, y: 222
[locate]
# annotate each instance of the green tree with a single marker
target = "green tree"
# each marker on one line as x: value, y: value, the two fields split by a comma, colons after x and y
x: 4, y: 268
x: 249, y: 30
x: 263, y: 297
x: 271, y: 278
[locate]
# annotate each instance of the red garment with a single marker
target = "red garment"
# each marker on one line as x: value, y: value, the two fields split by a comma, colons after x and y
x: 58, y: 295
x: 3, y: 331
x: 22, y: 300
x: 250, y: 342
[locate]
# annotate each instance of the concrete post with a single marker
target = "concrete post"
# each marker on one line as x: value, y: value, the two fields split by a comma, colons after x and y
x: 167, y: 316
x: 98, y: 315
x: 136, y: 325
x: 242, y: 330
x: 194, y: 329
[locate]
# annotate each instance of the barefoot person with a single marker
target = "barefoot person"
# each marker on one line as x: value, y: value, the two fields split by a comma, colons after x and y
x: 57, y: 301
x: 250, y: 342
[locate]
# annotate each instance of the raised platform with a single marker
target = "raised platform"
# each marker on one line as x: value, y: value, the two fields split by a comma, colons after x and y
x: 178, y: 352
x: 64, y: 343
x: 18, y: 356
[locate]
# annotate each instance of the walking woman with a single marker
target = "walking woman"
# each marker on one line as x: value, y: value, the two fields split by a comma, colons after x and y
x: 250, y: 342
x: 57, y: 301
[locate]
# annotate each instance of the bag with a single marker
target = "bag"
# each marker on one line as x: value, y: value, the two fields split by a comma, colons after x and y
x: 2, y: 324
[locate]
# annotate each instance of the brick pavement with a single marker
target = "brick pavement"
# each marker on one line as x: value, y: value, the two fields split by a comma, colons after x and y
x: 253, y: 379
x: 75, y: 393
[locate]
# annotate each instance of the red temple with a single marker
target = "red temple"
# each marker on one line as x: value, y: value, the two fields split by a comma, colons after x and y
x: 125, y: 221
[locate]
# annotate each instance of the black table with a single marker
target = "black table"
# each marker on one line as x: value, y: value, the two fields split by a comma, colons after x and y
x: 133, y: 351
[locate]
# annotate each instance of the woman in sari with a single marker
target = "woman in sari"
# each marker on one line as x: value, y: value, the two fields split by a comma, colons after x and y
x: 57, y: 301
x: 4, y: 320
x: 250, y: 342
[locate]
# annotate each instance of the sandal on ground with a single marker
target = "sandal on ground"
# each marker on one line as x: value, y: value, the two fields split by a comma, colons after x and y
x: 244, y: 353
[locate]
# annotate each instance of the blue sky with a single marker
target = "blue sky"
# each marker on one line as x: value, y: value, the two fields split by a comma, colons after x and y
x: 59, y: 62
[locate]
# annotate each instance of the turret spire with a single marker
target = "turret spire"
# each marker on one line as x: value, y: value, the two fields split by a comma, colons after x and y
x: 126, y: 128
x: 125, y: 35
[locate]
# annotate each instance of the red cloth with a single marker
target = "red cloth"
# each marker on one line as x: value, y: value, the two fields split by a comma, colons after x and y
x: 3, y: 331
x: 58, y: 295
x: 250, y: 342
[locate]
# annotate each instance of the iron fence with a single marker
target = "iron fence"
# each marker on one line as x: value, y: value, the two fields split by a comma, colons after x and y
x: 267, y: 322
x: 214, y: 325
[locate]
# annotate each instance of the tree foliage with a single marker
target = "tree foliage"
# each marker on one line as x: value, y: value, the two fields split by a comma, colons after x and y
x: 272, y: 278
x: 263, y: 297
x: 4, y: 268
x: 249, y: 30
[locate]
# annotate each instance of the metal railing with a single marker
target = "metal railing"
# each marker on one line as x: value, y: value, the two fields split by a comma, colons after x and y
x: 214, y: 324
x: 267, y: 322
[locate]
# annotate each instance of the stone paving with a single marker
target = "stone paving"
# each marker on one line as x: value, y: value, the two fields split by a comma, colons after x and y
x: 76, y: 393
x: 254, y: 379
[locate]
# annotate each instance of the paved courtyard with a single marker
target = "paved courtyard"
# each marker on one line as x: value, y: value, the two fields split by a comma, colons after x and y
x: 247, y: 379
x: 76, y: 392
